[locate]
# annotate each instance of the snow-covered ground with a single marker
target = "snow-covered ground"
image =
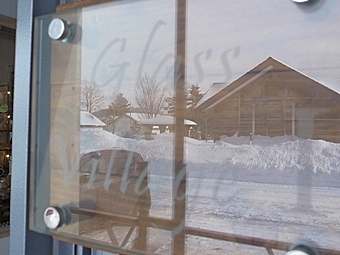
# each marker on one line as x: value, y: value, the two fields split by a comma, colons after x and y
x: 281, y: 188
x: 278, y: 160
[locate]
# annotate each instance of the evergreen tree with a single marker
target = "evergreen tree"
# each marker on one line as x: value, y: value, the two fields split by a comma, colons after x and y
x: 170, y: 104
x: 119, y: 106
x: 193, y: 95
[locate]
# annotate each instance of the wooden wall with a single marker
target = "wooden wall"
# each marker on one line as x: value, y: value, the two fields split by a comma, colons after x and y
x: 271, y: 101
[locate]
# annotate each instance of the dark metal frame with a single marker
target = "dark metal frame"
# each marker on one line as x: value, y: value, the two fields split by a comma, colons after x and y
x: 22, y: 240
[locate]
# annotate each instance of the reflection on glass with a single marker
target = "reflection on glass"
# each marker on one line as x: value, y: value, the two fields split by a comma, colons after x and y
x: 261, y: 124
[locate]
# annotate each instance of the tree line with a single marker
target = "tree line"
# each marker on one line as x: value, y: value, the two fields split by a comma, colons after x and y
x: 150, y: 97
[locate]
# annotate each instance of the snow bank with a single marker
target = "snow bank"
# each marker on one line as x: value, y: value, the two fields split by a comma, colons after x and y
x: 96, y: 139
x: 282, y: 160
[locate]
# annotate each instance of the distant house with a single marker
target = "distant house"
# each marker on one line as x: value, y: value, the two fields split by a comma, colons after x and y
x: 124, y: 126
x: 163, y: 122
x: 104, y: 115
x: 89, y: 121
x: 273, y: 99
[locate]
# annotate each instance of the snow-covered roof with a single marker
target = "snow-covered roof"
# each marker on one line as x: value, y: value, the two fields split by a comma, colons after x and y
x: 214, y: 89
x: 88, y: 119
x: 332, y: 84
x: 262, y: 68
x: 135, y: 116
x: 164, y: 120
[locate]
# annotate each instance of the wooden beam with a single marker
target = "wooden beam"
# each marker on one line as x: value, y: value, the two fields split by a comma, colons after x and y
x: 80, y: 4
x: 270, y: 252
x: 8, y: 22
x: 7, y: 35
x: 248, y: 240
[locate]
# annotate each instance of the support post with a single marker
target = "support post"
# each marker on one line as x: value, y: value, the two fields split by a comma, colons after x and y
x: 179, y: 193
x: 253, y: 119
x: 293, y: 119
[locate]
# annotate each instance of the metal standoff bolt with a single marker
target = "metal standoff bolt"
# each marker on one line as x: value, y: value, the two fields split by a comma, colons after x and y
x: 61, y: 30
x: 300, y: 1
x: 55, y: 217
x: 302, y: 249
x: 296, y: 252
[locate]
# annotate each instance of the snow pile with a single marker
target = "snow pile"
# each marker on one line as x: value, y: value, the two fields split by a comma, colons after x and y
x: 96, y: 139
x: 286, y: 153
x: 233, y: 187
x: 283, y: 160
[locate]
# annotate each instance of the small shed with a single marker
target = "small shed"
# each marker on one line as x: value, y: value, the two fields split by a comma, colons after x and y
x: 273, y: 99
x: 124, y: 125
x: 89, y: 121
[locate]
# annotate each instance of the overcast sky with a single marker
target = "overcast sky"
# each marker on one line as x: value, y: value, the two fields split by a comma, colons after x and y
x: 225, y: 39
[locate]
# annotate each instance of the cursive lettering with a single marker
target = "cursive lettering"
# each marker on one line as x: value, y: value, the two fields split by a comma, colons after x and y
x: 121, y: 68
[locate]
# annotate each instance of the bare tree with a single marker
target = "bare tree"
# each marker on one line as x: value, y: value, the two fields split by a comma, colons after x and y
x: 91, y: 96
x: 207, y: 116
x: 149, y: 97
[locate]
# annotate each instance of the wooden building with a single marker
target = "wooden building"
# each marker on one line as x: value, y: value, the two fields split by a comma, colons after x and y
x: 273, y: 99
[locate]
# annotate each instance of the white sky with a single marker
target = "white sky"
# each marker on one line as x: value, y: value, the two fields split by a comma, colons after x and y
x: 225, y: 39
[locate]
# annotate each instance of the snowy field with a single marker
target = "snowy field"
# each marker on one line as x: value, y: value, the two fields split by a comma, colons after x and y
x: 282, y: 188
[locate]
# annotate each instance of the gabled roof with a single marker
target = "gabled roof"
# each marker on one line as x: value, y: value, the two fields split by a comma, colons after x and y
x: 128, y: 115
x: 164, y: 120
x: 135, y: 116
x: 88, y: 119
x: 135, y: 113
x: 214, y: 89
x: 218, y: 92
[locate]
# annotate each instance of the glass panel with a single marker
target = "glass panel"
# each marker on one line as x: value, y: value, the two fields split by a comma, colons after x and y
x: 266, y: 170
x: 255, y: 129
x: 99, y: 67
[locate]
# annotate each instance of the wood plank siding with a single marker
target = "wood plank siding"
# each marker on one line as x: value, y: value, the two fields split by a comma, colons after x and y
x: 281, y: 101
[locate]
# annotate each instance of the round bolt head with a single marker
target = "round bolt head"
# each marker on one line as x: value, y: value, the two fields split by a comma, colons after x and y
x: 52, y: 217
x: 58, y: 29
x: 300, y: 1
x: 296, y: 252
